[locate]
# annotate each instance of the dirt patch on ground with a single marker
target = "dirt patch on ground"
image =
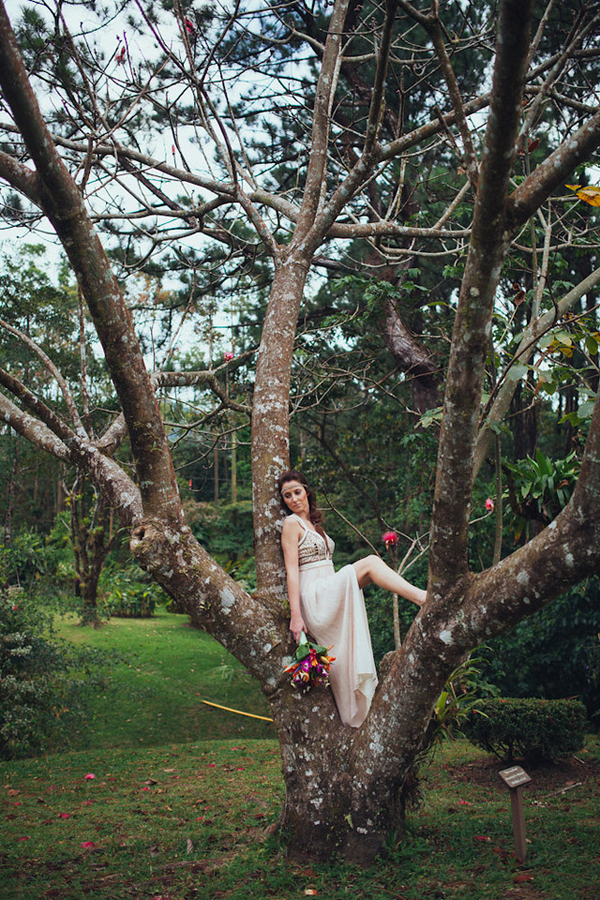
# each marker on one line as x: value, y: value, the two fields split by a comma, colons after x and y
x: 545, y: 777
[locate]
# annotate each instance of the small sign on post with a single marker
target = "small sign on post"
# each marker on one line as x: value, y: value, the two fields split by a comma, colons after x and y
x: 514, y: 778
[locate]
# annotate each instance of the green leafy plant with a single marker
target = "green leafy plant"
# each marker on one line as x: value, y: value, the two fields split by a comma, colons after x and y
x: 129, y: 596
x: 539, y: 488
x: 43, y: 681
x: 461, y: 695
x: 534, y: 729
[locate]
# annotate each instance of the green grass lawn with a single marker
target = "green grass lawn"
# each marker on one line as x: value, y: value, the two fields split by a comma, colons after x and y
x: 175, y: 812
x: 155, y: 694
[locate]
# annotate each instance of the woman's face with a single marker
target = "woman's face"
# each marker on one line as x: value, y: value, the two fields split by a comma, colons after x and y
x: 295, y: 497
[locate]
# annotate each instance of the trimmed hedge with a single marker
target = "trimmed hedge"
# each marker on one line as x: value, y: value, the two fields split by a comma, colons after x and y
x: 534, y: 729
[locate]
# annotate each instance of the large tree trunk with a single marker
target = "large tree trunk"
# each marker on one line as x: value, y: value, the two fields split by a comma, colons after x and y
x: 413, y: 359
x: 270, y: 421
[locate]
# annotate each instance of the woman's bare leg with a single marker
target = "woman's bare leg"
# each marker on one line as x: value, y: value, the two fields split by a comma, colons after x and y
x: 372, y: 569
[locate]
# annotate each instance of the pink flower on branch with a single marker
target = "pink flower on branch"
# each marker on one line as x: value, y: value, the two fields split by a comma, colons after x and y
x: 489, y: 505
x: 390, y: 539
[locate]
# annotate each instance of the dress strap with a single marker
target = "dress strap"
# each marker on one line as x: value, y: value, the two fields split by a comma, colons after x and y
x: 296, y: 516
x: 306, y: 531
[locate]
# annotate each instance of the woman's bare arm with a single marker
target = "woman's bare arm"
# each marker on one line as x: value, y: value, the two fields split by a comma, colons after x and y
x: 290, y: 536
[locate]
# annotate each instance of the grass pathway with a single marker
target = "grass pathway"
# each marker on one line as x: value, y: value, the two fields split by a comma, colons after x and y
x: 155, y: 692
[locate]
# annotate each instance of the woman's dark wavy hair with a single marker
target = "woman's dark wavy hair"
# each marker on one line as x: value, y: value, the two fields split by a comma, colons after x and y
x: 314, y: 512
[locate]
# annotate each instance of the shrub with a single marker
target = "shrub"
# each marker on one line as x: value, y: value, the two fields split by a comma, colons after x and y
x: 534, y: 729
x: 130, y: 596
x: 557, y: 645
x: 43, y: 681
x: 25, y: 560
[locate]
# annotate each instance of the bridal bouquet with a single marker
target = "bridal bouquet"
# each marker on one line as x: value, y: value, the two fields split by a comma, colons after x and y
x: 311, y: 665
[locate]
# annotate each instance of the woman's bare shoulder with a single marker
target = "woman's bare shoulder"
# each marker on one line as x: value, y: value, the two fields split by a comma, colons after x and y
x: 290, y: 526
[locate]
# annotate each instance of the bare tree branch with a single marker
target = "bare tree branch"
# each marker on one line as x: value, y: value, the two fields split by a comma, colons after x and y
x: 52, y: 369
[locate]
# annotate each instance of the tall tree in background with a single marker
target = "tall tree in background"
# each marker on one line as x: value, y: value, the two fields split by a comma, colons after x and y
x: 90, y: 165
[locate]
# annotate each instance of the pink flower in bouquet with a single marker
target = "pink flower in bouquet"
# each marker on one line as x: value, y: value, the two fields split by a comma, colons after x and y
x: 311, y: 665
x: 489, y: 505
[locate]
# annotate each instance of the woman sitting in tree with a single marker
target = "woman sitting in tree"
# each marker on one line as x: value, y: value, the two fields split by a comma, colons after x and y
x: 330, y: 605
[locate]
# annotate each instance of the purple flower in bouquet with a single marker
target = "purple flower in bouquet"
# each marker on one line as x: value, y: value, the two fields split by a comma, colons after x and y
x: 311, y: 665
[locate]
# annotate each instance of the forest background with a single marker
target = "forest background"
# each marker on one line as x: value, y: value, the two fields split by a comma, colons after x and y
x: 370, y: 457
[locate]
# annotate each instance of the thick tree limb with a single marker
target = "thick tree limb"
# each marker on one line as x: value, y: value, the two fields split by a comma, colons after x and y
x: 449, y: 535
x: 551, y: 174
x: 31, y: 428
x: 20, y: 177
x: 240, y: 622
x: 76, y: 450
x: 63, y: 205
x: 37, y: 407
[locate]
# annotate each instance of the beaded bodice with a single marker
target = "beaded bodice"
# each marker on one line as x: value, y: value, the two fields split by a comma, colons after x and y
x: 312, y: 547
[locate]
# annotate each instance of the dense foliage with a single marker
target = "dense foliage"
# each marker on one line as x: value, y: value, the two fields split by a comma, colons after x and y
x: 43, y: 681
x: 553, y: 654
x: 534, y: 729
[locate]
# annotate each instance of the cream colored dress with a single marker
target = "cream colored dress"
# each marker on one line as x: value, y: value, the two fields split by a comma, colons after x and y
x: 333, y: 609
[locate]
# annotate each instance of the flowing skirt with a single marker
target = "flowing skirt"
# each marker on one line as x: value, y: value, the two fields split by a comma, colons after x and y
x: 333, y: 609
